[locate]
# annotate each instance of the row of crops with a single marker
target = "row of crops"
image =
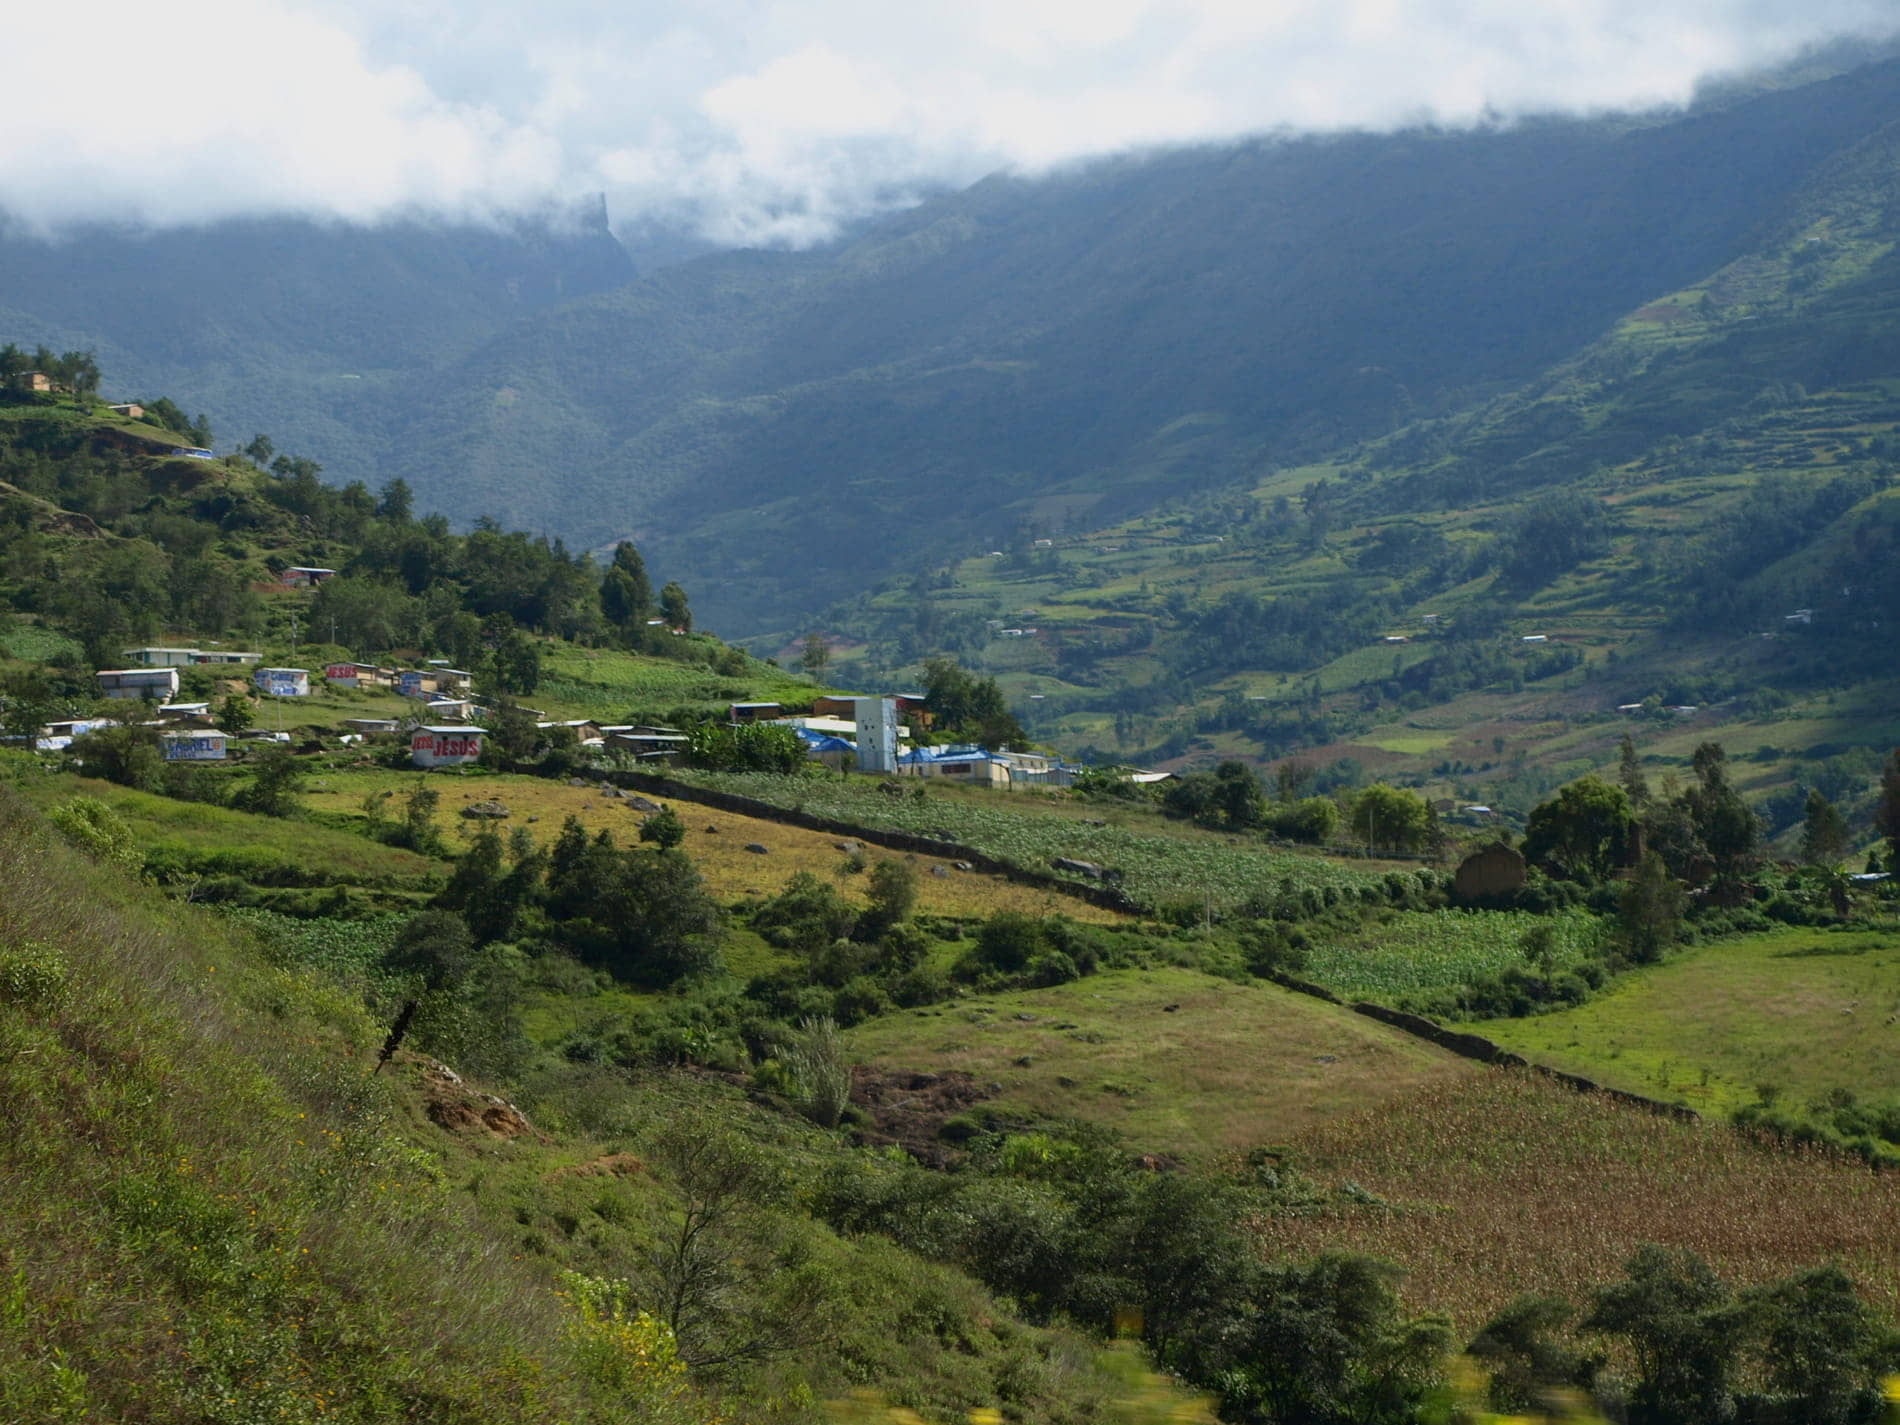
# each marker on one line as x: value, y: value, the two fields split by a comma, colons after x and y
x: 1155, y: 870
x: 337, y: 947
x: 1405, y: 952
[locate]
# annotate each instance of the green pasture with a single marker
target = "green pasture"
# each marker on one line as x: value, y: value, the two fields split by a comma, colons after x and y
x: 1175, y: 1060
x: 1808, y: 1012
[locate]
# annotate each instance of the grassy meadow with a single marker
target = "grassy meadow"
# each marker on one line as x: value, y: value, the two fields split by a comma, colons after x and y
x: 1807, y: 1013
x: 1175, y: 1060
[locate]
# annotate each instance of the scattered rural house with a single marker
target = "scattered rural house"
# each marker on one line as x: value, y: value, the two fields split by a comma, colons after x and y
x: 372, y: 726
x: 301, y: 576
x: 1045, y: 544
x: 1629, y: 707
x: 754, y: 712
x: 1036, y: 769
x: 348, y: 675
x: 1397, y: 638
x: 186, y: 712
x: 585, y: 729
x: 1535, y: 638
x: 283, y: 682
x: 219, y: 656
x: 198, y: 745
x: 131, y: 410
x: 1018, y: 632
x: 160, y: 657
x: 446, y: 708
x: 1431, y: 618
x: 413, y: 683
x: 1684, y: 710
x: 445, y: 746
x: 33, y: 381
x: 831, y: 751
x: 845, y: 705
x: 963, y: 763
x: 649, y: 744
x: 1802, y: 616
x: 1148, y: 779
x: 159, y: 684
x: 58, y: 736
x: 194, y: 452
x: 452, y: 680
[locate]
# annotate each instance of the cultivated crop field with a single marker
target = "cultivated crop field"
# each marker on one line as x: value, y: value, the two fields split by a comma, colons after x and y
x: 1507, y: 1183
x: 1406, y: 951
x: 1156, y: 868
x: 731, y: 871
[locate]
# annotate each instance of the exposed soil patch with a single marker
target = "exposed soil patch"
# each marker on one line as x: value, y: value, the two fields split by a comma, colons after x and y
x: 612, y: 1165
x: 910, y: 1109
x: 454, y: 1106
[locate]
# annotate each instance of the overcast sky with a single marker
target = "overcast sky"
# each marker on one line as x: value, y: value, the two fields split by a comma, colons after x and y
x: 772, y: 121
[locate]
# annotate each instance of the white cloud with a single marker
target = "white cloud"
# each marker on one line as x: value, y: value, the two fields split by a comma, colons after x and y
x: 775, y: 120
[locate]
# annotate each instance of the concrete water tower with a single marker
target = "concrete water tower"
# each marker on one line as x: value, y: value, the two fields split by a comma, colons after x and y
x: 876, y: 719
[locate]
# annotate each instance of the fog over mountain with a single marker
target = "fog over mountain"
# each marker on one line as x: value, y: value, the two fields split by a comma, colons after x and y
x: 763, y: 121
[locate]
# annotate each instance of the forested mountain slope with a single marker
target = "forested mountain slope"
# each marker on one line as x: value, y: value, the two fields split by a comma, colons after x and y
x: 1081, y: 347
x: 303, y: 329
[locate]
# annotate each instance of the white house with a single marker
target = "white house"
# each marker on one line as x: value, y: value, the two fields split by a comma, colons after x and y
x: 161, y: 657
x: 198, y: 745
x: 160, y: 684
x: 283, y: 682
x: 445, y: 746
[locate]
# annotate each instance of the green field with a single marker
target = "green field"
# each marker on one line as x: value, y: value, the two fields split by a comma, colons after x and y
x: 1808, y: 1012
x: 1404, y: 951
x: 1175, y: 1060
x: 1185, y: 867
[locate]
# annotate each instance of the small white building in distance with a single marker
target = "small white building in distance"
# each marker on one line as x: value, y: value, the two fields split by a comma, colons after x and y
x: 198, y: 745
x: 445, y: 746
x: 159, y: 684
x: 161, y: 657
x: 283, y: 682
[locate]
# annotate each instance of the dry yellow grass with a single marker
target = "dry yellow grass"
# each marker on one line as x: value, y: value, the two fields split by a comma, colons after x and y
x: 1508, y: 1183
x: 730, y: 870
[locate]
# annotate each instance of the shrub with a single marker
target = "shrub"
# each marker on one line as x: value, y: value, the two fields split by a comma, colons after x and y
x: 98, y: 830
x: 34, y: 975
x: 815, y: 1064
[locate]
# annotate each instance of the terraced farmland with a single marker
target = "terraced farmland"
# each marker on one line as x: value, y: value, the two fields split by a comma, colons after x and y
x: 1155, y: 869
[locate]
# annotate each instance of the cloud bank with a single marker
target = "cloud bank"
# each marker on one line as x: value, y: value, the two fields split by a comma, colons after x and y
x: 774, y: 121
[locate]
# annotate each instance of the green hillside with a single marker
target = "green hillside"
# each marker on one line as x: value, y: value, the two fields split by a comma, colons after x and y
x: 779, y: 1093
x: 1466, y: 602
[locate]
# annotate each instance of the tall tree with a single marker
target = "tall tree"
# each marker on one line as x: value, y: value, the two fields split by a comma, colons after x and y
x: 1887, y: 810
x: 1824, y: 833
x: 626, y: 594
x: 1582, y: 832
x: 673, y: 607
x: 1629, y: 773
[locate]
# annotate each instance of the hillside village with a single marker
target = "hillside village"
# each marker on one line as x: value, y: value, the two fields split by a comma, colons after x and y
x: 401, y: 916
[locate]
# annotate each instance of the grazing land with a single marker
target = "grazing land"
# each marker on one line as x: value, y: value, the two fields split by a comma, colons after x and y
x: 1805, y: 1014
x: 1175, y: 1060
